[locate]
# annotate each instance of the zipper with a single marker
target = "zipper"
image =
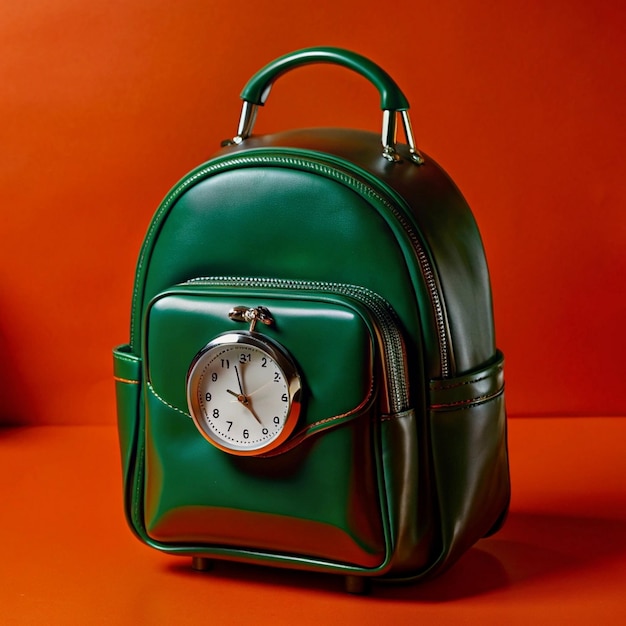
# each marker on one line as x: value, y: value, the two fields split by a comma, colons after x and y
x: 384, y: 317
x: 334, y: 172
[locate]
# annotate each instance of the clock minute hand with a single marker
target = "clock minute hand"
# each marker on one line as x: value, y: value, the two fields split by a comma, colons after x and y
x: 239, y: 381
x: 249, y: 407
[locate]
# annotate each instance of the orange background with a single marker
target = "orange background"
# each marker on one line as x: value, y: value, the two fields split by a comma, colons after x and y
x: 104, y: 105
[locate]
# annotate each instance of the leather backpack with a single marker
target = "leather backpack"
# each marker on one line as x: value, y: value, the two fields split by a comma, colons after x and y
x: 312, y: 379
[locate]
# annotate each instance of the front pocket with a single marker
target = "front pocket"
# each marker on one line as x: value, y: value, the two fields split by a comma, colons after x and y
x: 318, y: 496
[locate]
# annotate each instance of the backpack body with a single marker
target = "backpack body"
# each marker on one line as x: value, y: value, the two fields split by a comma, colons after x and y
x: 362, y: 280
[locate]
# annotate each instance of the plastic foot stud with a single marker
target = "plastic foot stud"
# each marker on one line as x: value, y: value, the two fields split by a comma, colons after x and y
x: 358, y: 585
x: 201, y: 563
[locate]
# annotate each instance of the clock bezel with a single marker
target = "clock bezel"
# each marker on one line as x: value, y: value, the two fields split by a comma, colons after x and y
x: 283, y: 360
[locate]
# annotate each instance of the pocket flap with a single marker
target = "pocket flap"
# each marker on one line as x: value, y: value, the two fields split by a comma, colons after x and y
x: 329, y: 339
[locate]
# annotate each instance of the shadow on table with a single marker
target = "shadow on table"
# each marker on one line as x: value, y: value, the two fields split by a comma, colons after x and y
x: 530, y: 548
x: 17, y: 401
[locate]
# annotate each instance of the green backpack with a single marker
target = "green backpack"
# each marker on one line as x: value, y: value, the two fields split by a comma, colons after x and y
x: 312, y: 379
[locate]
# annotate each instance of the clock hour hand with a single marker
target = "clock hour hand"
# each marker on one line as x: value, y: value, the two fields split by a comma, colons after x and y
x: 243, y: 399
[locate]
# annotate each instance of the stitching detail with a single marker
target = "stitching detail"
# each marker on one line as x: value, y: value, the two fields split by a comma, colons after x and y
x: 165, y: 402
x: 395, y: 416
x: 436, y: 387
x: 313, y: 429
x: 120, y: 356
x: 117, y: 379
x: 467, y: 403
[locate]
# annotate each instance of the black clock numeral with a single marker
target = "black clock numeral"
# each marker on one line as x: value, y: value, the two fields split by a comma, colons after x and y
x: 284, y: 398
x: 246, y: 433
x: 265, y: 431
x: 207, y: 397
x: 230, y: 425
x: 276, y: 377
x: 263, y: 362
x: 245, y: 358
x: 277, y: 420
x: 225, y: 364
x: 214, y: 376
x: 216, y: 413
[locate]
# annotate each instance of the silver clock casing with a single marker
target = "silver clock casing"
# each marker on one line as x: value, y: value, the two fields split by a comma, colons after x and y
x: 283, y: 366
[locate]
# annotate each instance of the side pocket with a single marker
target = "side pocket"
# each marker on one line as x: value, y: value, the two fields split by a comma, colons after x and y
x: 127, y: 376
x: 469, y: 456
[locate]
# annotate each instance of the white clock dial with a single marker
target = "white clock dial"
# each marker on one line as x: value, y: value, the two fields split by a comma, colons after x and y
x: 243, y: 393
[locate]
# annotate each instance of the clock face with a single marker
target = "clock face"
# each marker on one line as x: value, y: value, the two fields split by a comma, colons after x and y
x: 243, y: 393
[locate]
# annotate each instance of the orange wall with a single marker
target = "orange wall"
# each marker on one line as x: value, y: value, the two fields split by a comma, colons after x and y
x: 104, y: 105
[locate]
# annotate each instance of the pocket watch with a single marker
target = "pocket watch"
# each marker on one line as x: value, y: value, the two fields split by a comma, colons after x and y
x: 243, y: 389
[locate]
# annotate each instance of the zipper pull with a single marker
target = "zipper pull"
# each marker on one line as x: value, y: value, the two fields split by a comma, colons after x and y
x: 251, y: 315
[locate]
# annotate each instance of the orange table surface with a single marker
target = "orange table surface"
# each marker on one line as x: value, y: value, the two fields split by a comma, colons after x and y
x: 68, y: 557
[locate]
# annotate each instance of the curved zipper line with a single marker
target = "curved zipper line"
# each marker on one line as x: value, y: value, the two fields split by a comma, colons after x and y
x: 424, y: 263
